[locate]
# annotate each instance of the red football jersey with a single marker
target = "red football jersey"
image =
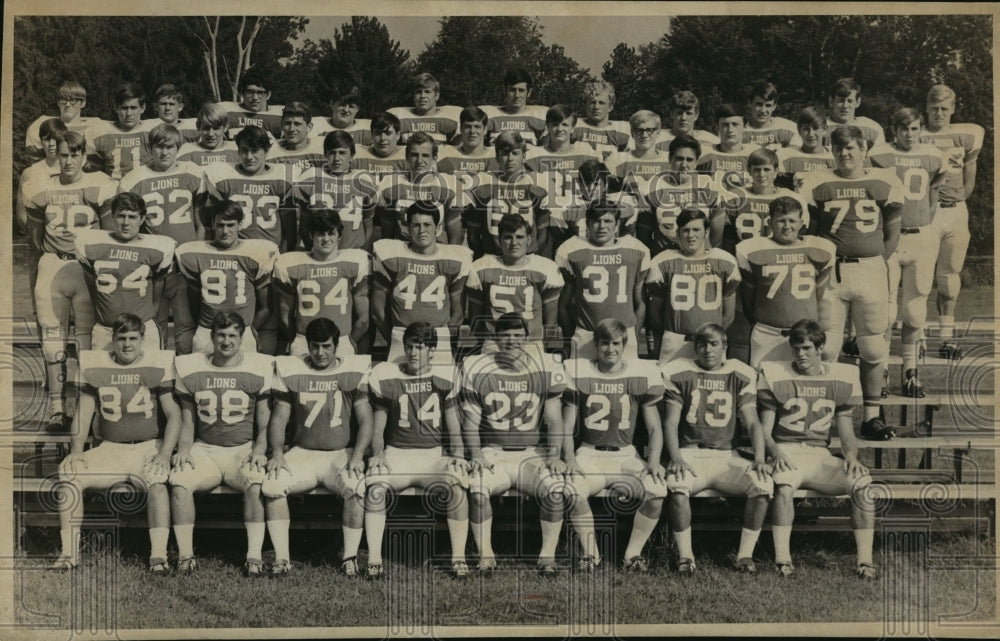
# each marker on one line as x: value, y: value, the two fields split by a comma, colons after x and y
x: 603, y: 278
x: 415, y: 404
x: 916, y: 170
x: 710, y: 401
x: 419, y: 285
x: 227, y: 279
x: 608, y: 403
x: 128, y: 396
x: 324, y: 288
x: 692, y: 287
x: 805, y: 406
x: 168, y: 196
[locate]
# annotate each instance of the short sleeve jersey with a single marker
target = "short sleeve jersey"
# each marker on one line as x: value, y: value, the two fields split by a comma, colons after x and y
x: 785, y: 277
x: 452, y: 160
x: 62, y: 210
x: 693, y: 287
x: 239, y: 117
x: 516, y: 288
x: 360, y: 130
x: 168, y: 196
x: 780, y: 132
x: 849, y: 211
x: 227, y: 279
x: 540, y: 159
x: 629, y: 170
x: 960, y: 143
x: 415, y: 404
x: 603, y: 278
x: 322, y: 400
x: 916, y: 169
x: 226, y: 153
x: 33, y: 136
x: 511, y: 400
x: 731, y: 169
x: 420, y: 285
x: 529, y: 122
x: 128, y: 396
x: 666, y: 195
x: 122, y: 273
x: 351, y: 195
x: 749, y: 217
x: 188, y: 128
x: 805, y: 406
x: 225, y: 398
x: 301, y: 159
x: 397, y: 193
x: 442, y: 125
x: 870, y: 130
x: 710, y: 400
x: 604, y: 139
x: 793, y: 163
x: 608, y: 403
x: 262, y: 197
x: 324, y: 289
x: 121, y: 151
x: 378, y: 167
x: 496, y: 197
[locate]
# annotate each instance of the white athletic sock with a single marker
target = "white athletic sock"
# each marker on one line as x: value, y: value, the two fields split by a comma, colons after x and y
x: 482, y: 533
x: 185, y: 540
x: 909, y: 353
x: 864, y: 539
x: 947, y: 325
x: 278, y: 529
x: 352, y: 540
x: 782, y: 535
x: 458, y: 531
x: 550, y: 538
x: 683, y: 539
x: 255, y: 539
x: 374, y: 530
x: 158, y: 537
x: 748, y: 541
x: 642, y: 529
x: 70, y: 542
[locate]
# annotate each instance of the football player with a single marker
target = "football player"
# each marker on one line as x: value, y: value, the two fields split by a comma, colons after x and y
x: 296, y: 147
x: 168, y: 103
x: 784, y: 277
x: 41, y: 171
x: 794, y: 161
x: 504, y: 396
x: 558, y: 159
x: 960, y: 143
x: 643, y: 161
x: 263, y: 190
x: 469, y: 155
x: 844, y: 98
x: 438, y: 122
x: 124, y: 270
x: 763, y: 128
x: 668, y: 193
x: 57, y: 209
x: 325, y: 282
x: 418, y: 280
x: 211, y: 145
x: 343, y: 117
x: 514, y: 281
x: 604, y: 135
x: 420, y: 182
x: 516, y: 115
x: 683, y: 108
x: 858, y: 209
x: 688, y: 287
x: 727, y: 162
x: 592, y: 183
x: 227, y: 274
x: 509, y: 191
x: 253, y: 108
x: 119, y: 147
x: 601, y: 403
x: 604, y: 277
x: 339, y: 187
x: 174, y: 194
x: 223, y: 435
x: 71, y: 100
x: 385, y: 157
x: 704, y: 396
x: 800, y: 400
x: 129, y: 387
x: 921, y: 168
x: 321, y: 393
x: 416, y: 412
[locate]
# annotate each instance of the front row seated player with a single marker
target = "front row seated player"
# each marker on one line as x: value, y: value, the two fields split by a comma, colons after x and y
x: 416, y: 410
x: 504, y: 396
x: 322, y: 393
x: 800, y: 401
x: 129, y: 386
x: 223, y: 435
x: 703, y: 396
x: 603, y: 398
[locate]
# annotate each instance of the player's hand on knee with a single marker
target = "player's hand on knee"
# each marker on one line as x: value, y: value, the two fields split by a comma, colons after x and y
x: 478, y: 464
x: 275, y: 464
x: 378, y: 465
x: 679, y: 468
x: 257, y: 462
x: 459, y: 465
x: 158, y: 467
x: 761, y: 469
x: 657, y: 472
x: 853, y: 468
x: 781, y: 464
x: 355, y: 468
x: 558, y: 467
x: 182, y: 459
x: 74, y: 463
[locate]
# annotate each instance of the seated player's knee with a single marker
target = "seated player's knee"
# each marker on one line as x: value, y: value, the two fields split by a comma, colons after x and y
x: 154, y: 475
x: 759, y: 487
x: 786, y: 482
x: 678, y: 485
x: 277, y: 487
x: 873, y: 349
x: 347, y: 486
x: 250, y: 475
x: 377, y: 495
x: 186, y: 479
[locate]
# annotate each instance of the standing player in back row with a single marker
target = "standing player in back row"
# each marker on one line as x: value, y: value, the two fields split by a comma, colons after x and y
x: 119, y: 147
x: 253, y: 110
x: 844, y: 98
x: 920, y: 167
x: 604, y: 278
x: 344, y: 107
x: 763, y: 128
x: 516, y: 114
x: 604, y: 135
x: 858, y: 209
x: 960, y: 143
x: 438, y: 122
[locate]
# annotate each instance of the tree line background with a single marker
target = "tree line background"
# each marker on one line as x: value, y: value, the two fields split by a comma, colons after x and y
x: 894, y: 58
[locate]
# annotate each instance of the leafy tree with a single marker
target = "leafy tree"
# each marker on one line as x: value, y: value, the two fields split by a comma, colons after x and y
x: 627, y: 73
